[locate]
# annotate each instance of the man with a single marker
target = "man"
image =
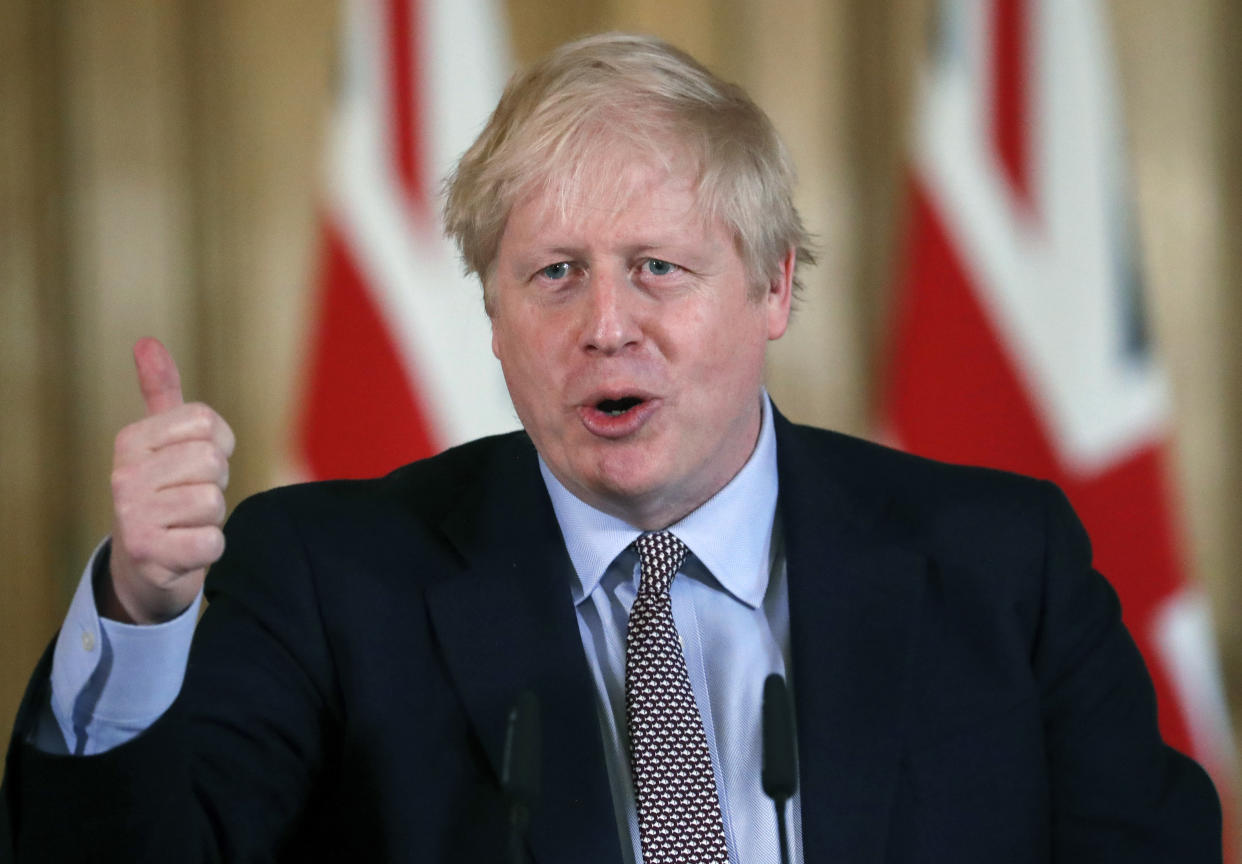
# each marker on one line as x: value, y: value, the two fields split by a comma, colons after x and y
x: 964, y: 688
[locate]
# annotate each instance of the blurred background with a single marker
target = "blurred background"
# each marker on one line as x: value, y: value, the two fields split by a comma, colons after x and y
x: 166, y: 169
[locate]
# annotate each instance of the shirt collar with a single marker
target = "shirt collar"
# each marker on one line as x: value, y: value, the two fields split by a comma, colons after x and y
x: 731, y: 533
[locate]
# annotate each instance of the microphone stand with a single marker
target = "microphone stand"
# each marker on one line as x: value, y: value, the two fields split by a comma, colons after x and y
x: 780, y: 769
x: 519, y: 775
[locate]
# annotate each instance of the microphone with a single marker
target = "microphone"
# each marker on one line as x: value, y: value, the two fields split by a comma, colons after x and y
x: 780, y: 769
x: 519, y: 773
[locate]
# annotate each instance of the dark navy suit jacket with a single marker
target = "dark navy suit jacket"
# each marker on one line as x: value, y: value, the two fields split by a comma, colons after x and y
x: 966, y: 691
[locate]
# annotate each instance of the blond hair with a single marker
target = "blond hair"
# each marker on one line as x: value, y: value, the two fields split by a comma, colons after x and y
x: 621, y: 96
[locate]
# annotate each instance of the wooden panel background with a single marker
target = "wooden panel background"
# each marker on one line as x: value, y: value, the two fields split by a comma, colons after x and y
x: 158, y: 170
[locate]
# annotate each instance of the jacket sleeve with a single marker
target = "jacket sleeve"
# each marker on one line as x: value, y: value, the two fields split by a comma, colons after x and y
x: 225, y: 774
x: 1118, y: 793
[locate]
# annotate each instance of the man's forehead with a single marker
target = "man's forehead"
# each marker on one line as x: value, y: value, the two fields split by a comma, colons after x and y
x: 603, y: 192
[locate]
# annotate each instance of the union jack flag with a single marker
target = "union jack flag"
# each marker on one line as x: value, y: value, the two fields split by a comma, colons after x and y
x: 399, y: 364
x: 1020, y: 335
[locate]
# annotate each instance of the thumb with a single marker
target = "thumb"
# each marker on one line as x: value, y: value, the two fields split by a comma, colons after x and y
x: 157, y: 376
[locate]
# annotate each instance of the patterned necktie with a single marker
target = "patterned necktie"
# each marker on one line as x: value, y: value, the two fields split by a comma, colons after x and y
x: 679, y: 817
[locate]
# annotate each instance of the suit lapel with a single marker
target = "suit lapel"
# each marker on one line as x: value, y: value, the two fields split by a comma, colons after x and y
x: 508, y: 623
x: 854, y: 598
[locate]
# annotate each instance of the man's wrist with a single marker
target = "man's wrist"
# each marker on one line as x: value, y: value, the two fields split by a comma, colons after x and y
x: 107, y: 604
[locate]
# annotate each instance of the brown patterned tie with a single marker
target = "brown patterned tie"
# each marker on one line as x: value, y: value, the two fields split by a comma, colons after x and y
x: 679, y: 817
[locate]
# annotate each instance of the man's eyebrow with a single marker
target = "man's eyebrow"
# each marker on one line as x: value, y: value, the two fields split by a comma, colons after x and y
x: 552, y: 250
x: 534, y: 256
x: 694, y: 247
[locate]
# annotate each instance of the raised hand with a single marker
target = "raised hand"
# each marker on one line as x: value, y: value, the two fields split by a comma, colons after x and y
x: 169, y: 473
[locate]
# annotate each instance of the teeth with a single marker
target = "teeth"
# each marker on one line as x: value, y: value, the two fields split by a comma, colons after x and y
x: 617, y: 407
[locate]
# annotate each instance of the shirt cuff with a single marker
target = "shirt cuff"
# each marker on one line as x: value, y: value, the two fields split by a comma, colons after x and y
x: 110, y: 680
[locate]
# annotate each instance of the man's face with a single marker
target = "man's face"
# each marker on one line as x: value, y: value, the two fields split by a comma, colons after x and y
x: 633, y: 344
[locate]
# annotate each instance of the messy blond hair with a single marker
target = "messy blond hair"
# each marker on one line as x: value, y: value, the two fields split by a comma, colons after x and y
x: 637, y: 96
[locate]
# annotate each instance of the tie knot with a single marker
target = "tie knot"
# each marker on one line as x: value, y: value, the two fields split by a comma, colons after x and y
x: 660, y: 554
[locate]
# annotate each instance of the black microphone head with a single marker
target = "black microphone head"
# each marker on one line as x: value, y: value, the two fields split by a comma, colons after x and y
x: 520, y: 768
x: 780, y: 768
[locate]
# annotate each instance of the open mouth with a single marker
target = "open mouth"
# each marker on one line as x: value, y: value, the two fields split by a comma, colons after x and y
x: 617, y: 407
x: 619, y: 417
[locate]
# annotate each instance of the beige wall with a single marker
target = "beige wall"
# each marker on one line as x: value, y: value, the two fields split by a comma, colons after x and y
x: 157, y: 175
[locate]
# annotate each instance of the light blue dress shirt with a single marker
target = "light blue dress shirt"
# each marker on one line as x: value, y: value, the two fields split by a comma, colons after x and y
x: 110, y: 681
x: 731, y: 608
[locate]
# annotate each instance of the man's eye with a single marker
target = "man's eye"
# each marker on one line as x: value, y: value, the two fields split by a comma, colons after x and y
x: 656, y: 267
x: 558, y: 270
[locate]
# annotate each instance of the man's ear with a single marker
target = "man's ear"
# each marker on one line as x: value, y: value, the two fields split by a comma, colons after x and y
x: 779, y: 296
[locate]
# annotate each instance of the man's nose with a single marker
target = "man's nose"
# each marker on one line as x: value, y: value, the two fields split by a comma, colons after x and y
x: 611, y: 323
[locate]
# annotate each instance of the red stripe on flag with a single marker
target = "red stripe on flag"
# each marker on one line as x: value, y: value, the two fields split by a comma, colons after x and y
x: 955, y: 395
x: 362, y: 416
x: 1011, y: 102
x: 407, y: 103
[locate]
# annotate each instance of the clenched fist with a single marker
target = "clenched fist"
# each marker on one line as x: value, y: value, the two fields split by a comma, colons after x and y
x: 169, y: 473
